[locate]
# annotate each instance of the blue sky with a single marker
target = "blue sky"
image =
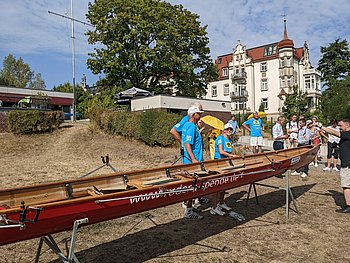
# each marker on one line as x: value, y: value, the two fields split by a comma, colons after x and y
x: 43, y: 40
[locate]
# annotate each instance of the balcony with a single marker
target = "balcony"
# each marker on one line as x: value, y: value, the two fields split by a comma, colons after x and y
x: 240, y: 96
x: 239, y: 77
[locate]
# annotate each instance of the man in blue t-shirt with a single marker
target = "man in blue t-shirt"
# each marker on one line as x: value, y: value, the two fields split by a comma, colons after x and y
x: 191, y: 138
x: 234, y: 124
x: 255, y: 126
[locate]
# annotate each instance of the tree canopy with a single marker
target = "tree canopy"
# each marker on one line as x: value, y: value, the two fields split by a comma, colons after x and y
x: 16, y: 73
x: 335, y: 68
x: 142, y: 42
x: 295, y: 103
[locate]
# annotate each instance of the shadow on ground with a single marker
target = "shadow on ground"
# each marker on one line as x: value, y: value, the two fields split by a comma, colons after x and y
x: 162, y: 239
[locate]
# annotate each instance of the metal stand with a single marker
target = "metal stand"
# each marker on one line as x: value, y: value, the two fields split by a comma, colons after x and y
x: 287, y: 189
x: 105, y: 161
x: 49, y: 240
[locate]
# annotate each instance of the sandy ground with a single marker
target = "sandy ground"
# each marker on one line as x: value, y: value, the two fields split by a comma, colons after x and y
x: 316, y: 234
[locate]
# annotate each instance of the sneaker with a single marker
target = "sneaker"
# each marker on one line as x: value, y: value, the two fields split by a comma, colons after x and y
x: 237, y: 216
x: 344, y: 210
x: 190, y: 214
x: 303, y: 175
x: 336, y: 169
x: 225, y: 206
x: 295, y: 173
x: 327, y: 169
x: 217, y: 211
x: 184, y: 204
x: 312, y: 163
x: 316, y: 164
x: 204, y: 200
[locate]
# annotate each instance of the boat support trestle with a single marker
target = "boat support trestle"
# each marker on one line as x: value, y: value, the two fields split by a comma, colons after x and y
x: 50, y: 241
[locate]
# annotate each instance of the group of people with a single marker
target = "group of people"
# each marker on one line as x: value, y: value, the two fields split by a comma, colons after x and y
x: 299, y: 132
x: 304, y: 132
x: 187, y: 133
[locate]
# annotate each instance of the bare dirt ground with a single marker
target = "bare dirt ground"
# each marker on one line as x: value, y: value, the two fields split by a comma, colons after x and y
x: 316, y: 234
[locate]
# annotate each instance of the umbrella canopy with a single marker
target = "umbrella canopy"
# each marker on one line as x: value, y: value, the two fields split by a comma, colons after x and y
x: 26, y: 100
x: 261, y: 114
x: 213, y: 122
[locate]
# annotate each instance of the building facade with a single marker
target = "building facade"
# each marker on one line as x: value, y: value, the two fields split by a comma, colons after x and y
x: 263, y: 75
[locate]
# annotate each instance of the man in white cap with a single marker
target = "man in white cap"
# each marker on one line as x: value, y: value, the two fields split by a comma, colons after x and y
x: 193, y: 149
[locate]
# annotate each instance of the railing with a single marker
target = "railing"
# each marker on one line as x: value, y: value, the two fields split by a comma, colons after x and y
x: 239, y: 76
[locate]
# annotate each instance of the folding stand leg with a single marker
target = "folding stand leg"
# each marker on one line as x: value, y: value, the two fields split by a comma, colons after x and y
x: 255, y: 193
x: 287, y: 189
x: 51, y: 243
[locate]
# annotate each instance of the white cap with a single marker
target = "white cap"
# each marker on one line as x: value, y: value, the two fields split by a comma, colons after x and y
x: 227, y: 126
x: 192, y: 110
x: 308, y: 122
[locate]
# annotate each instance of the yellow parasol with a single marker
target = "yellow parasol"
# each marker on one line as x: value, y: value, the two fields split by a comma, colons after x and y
x: 213, y: 122
x: 261, y: 114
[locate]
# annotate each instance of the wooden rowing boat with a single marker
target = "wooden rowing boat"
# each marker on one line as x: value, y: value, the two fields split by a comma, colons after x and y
x: 41, y: 210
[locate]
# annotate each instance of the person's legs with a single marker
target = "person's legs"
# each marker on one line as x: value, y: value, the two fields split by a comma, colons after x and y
x: 260, y: 143
x: 347, y: 196
x: 345, y: 184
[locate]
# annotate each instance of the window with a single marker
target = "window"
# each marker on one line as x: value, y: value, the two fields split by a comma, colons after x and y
x: 307, y: 83
x: 312, y: 83
x: 264, y: 85
x: 282, y: 63
x: 225, y: 72
x: 236, y: 70
x: 264, y: 102
x: 226, y: 90
x: 289, y: 81
x: 289, y: 62
x: 263, y: 67
x: 219, y: 60
x: 214, y: 91
x: 270, y: 50
x: 283, y: 83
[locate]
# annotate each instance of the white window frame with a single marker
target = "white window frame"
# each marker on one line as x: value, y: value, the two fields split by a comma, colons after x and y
x: 214, y: 91
x: 288, y: 62
x: 283, y: 83
x: 289, y: 81
x: 226, y: 90
x: 307, y: 83
x: 225, y: 72
x: 265, y: 101
x: 263, y: 67
x: 264, y: 85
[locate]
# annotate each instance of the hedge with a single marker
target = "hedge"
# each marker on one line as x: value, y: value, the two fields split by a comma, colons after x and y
x: 151, y: 127
x: 34, y: 121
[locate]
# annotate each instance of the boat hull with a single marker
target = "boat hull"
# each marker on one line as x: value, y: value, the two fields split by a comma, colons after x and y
x: 59, y: 217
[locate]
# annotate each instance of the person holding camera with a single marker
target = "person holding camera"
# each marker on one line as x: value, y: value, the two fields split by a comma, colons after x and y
x: 344, y: 150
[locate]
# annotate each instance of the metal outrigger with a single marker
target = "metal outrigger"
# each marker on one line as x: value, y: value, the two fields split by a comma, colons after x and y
x: 50, y: 241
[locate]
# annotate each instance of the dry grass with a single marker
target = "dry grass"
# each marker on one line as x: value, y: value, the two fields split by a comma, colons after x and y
x: 317, y: 234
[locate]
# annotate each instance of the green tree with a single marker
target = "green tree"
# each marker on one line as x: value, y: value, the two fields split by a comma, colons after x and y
x: 144, y: 41
x: 15, y: 72
x: 335, y: 62
x: 335, y: 73
x: 295, y: 103
x: 82, y: 96
x: 37, y: 82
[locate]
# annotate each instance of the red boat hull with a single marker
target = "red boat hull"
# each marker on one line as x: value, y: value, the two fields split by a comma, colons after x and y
x: 54, y: 219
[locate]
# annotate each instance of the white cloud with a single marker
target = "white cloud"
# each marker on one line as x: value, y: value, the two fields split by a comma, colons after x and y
x: 27, y: 28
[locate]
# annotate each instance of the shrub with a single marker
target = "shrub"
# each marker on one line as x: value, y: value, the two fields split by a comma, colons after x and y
x: 152, y: 126
x: 34, y: 121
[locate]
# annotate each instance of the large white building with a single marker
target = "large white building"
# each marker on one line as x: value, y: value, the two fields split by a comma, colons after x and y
x: 264, y: 75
